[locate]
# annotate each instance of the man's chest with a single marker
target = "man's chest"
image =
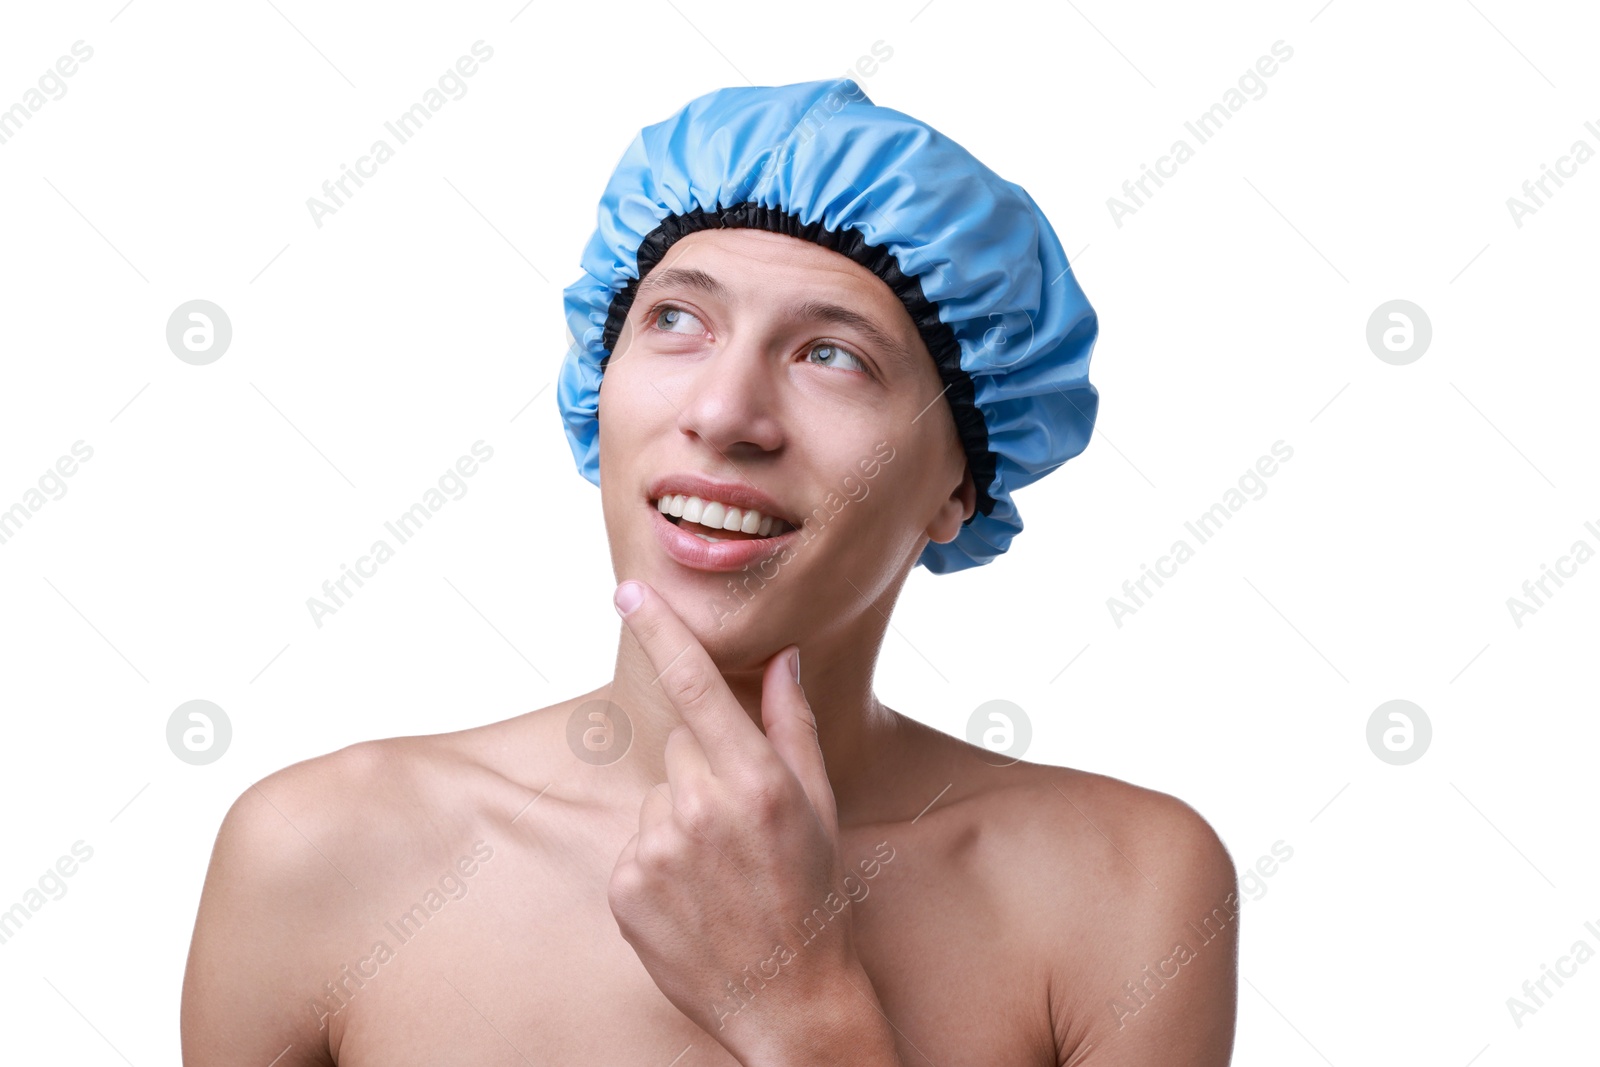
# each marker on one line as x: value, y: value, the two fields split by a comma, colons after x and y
x: 531, y: 969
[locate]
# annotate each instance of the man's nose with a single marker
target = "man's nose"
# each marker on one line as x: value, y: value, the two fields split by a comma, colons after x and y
x: 733, y: 398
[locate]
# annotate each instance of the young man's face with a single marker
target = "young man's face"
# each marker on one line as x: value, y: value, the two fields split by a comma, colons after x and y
x: 736, y: 365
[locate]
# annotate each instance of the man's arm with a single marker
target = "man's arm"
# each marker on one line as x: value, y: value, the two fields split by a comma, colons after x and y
x: 270, y: 898
x: 1151, y: 974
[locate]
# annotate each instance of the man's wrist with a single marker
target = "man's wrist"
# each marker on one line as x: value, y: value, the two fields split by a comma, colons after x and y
x: 847, y: 1027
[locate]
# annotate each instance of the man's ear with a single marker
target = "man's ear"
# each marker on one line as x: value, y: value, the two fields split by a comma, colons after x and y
x: 955, y: 511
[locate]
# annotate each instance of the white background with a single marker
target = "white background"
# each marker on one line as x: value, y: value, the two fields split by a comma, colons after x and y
x: 369, y: 353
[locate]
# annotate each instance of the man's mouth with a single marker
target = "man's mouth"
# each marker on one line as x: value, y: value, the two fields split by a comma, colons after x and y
x: 712, y: 520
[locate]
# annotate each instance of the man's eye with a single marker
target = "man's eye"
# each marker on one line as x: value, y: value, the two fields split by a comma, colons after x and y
x: 833, y: 353
x: 671, y: 319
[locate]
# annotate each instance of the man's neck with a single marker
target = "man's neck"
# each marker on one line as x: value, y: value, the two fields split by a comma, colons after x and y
x: 856, y: 730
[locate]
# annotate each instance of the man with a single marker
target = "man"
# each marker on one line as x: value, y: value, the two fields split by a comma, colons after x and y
x: 797, y: 304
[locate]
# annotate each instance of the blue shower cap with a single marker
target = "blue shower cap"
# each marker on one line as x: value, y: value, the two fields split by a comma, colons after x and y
x: 968, y: 253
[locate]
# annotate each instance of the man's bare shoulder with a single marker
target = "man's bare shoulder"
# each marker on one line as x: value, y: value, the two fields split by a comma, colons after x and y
x: 285, y: 882
x: 310, y: 852
x: 1127, y: 838
x: 1117, y: 885
x: 1137, y: 907
x: 1111, y: 835
x: 379, y: 800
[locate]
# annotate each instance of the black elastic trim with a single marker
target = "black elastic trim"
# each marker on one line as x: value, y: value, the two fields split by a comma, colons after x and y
x: 936, y: 334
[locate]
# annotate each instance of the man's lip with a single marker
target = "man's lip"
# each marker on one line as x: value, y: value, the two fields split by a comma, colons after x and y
x: 721, y: 556
x: 739, y: 494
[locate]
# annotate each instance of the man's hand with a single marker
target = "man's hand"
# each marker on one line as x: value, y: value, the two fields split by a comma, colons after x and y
x: 734, y: 851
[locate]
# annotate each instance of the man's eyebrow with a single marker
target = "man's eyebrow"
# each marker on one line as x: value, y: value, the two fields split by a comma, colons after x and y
x: 810, y: 310
x: 683, y: 278
x: 822, y: 311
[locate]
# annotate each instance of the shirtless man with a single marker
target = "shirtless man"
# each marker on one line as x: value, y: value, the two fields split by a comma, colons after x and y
x: 705, y: 861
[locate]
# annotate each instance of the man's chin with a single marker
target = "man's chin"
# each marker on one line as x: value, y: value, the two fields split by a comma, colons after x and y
x: 727, y: 628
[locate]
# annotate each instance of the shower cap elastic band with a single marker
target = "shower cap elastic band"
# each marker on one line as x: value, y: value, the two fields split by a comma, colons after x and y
x: 969, y: 254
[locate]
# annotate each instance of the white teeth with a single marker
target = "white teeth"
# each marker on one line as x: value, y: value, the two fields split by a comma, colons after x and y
x: 716, y: 514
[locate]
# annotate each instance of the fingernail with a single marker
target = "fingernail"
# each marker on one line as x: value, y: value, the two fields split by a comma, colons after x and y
x: 794, y: 663
x: 628, y: 597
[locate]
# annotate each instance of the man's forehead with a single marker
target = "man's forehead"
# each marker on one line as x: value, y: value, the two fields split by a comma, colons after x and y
x: 718, y: 262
